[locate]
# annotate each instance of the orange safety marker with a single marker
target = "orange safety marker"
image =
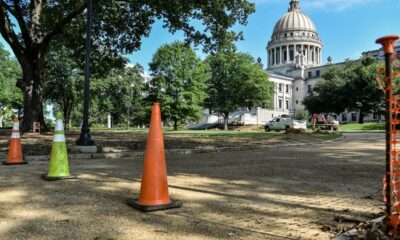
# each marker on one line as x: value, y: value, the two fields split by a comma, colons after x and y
x: 154, y: 186
x: 15, y: 156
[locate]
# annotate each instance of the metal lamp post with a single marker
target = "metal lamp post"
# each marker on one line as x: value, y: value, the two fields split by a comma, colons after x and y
x: 85, y: 138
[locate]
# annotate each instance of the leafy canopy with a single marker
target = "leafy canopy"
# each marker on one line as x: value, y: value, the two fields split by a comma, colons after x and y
x: 236, y: 80
x: 178, y: 82
x: 352, y: 87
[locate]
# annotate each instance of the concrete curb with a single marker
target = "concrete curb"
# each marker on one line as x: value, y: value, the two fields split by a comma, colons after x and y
x: 118, y: 155
x: 371, y: 131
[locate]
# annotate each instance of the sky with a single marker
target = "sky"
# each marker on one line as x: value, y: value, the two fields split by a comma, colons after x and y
x: 346, y: 27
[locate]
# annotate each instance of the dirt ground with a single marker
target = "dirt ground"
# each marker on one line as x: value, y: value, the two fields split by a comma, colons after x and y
x: 121, y: 141
x: 280, y: 193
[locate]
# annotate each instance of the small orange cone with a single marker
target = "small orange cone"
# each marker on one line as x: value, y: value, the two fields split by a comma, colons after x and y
x: 154, y: 188
x: 15, y: 156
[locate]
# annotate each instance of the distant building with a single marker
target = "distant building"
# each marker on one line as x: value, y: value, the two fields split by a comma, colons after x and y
x: 295, y: 63
x: 294, y: 66
x: 380, y: 54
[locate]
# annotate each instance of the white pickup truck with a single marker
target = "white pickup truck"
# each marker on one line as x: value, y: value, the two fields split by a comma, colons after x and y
x: 278, y: 124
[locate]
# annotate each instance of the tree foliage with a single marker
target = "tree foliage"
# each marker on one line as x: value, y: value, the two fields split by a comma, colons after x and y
x: 118, y: 29
x: 62, y: 79
x: 10, y: 96
x: 353, y: 87
x: 178, y: 82
x: 236, y: 80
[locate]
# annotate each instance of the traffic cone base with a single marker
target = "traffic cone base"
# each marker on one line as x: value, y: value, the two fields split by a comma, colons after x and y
x: 17, y: 163
x: 148, y: 208
x: 50, y: 178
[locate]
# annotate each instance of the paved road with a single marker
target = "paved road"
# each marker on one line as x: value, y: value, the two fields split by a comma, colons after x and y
x: 282, y: 193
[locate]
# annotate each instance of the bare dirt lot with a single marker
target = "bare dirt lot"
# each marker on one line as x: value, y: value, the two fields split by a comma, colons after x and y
x: 279, y: 193
x: 121, y: 141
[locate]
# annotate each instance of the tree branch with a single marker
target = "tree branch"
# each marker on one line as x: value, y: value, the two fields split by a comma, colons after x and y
x: 8, y: 33
x: 24, y: 30
x: 62, y: 23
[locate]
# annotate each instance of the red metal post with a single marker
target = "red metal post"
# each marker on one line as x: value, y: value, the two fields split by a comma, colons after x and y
x: 388, y: 46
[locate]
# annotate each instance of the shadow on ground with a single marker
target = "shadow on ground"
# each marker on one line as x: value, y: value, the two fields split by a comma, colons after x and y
x: 293, y: 193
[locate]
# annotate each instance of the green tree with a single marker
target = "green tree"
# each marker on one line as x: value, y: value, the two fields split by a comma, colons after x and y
x: 361, y: 89
x: 10, y: 95
x: 352, y: 87
x: 178, y: 82
x: 236, y: 80
x: 62, y: 77
x: 31, y: 27
x: 121, y: 94
x: 328, y: 96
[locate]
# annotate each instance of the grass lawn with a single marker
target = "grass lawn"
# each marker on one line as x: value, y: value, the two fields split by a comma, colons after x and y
x: 362, y: 127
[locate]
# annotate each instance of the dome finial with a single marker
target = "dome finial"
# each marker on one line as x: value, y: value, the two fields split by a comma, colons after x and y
x: 294, y: 5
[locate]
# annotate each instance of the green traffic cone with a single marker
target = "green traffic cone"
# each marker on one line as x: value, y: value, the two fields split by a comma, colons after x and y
x: 59, y: 167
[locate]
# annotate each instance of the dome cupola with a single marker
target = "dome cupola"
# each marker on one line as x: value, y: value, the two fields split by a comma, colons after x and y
x: 294, y: 41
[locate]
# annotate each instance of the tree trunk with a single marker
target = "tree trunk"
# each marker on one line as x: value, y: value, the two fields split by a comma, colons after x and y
x: 226, y: 120
x: 1, y: 121
x: 32, y: 87
x: 175, y: 124
x: 361, y: 118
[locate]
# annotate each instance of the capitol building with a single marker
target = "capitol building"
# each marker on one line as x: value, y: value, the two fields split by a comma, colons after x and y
x: 294, y: 55
x: 295, y: 64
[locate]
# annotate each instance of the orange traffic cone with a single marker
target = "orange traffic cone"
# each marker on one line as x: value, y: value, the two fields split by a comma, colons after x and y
x: 15, y: 156
x: 154, y: 188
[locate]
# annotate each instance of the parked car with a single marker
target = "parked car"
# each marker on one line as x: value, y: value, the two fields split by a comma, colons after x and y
x: 279, y: 123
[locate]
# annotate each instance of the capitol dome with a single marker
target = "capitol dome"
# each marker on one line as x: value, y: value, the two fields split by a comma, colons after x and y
x: 294, y: 42
x: 293, y: 21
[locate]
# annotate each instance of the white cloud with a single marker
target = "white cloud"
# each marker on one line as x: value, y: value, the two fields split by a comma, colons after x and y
x: 336, y: 5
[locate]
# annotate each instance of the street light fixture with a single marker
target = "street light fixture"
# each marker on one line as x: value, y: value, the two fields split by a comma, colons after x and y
x: 85, y: 139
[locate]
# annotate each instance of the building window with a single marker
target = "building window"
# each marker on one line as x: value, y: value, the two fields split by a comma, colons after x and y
x: 297, y: 89
x: 318, y: 73
x: 287, y: 104
x: 285, y: 56
x: 280, y: 87
x: 297, y: 102
x: 291, y: 55
x: 287, y: 88
x: 280, y: 104
x: 309, y: 74
x: 309, y: 89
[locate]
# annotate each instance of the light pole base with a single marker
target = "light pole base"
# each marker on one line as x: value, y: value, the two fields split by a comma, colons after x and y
x: 84, y: 149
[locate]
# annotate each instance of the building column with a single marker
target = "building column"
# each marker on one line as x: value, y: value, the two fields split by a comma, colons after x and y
x: 312, y: 54
x: 320, y: 55
x: 287, y: 53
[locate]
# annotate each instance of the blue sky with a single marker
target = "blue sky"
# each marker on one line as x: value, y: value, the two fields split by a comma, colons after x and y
x: 346, y: 27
